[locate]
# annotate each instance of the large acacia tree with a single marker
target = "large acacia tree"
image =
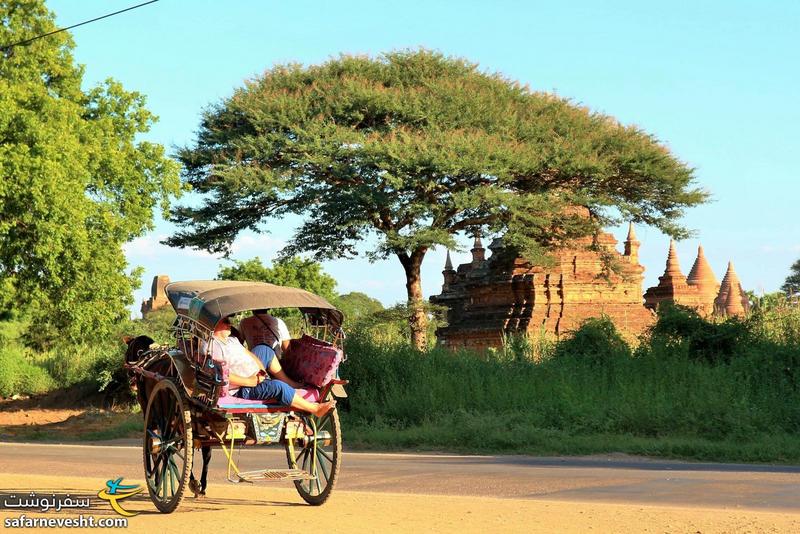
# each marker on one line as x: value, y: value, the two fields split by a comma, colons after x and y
x: 75, y: 183
x: 414, y: 147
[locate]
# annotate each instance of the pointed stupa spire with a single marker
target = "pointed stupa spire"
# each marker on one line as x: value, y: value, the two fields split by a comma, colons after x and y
x: 632, y: 245
x: 449, y: 274
x: 702, y: 275
x: 631, y: 232
x: 671, y: 286
x: 478, y: 252
x: 731, y: 299
x: 673, y: 269
x: 733, y: 302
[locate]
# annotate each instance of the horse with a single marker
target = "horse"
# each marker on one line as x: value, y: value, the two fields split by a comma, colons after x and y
x: 143, y: 386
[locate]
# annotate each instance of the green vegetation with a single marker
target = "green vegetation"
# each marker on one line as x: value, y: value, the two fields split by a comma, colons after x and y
x: 415, y: 148
x: 792, y: 283
x: 293, y: 272
x: 75, y: 185
x: 726, y: 390
x: 356, y: 306
x: 685, y: 391
x: 92, y: 366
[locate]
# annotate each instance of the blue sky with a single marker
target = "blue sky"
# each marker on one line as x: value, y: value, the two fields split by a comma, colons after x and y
x: 717, y: 82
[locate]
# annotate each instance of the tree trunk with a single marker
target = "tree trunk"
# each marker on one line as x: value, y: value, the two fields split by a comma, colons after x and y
x: 417, y: 319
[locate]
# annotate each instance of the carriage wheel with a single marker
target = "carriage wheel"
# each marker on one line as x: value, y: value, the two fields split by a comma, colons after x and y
x: 167, y: 446
x: 328, y: 459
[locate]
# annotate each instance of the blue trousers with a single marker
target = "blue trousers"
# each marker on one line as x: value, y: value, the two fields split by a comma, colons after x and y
x: 268, y: 389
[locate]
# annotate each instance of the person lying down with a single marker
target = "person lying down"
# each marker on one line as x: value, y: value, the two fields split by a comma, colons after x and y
x: 250, y: 374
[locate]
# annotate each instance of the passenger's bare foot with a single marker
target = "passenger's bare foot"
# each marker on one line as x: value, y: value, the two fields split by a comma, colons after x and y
x: 324, y: 407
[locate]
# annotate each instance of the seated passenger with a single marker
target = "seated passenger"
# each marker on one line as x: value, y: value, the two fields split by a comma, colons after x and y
x: 262, y: 331
x: 248, y: 373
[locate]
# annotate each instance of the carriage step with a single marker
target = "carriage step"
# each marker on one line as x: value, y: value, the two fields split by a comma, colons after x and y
x: 275, y: 474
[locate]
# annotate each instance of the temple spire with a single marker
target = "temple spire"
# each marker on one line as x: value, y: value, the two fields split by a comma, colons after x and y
x: 702, y: 275
x: 448, y: 264
x: 478, y: 252
x: 449, y: 274
x: 673, y: 269
x: 631, y: 232
x: 733, y: 303
x: 731, y: 299
x: 632, y: 245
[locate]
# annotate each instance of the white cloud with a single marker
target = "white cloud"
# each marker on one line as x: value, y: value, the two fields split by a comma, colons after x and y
x: 149, y: 247
x: 256, y: 245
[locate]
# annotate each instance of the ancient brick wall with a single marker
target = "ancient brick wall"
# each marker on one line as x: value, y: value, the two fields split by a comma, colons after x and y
x: 500, y: 296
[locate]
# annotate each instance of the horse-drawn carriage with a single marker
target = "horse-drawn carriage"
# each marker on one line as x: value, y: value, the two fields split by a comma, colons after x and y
x: 183, y: 393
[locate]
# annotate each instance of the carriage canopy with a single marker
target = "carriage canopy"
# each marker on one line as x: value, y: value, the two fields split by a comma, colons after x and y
x: 208, y: 301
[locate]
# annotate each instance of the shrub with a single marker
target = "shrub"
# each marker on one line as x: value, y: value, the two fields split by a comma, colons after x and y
x: 703, y: 340
x: 19, y: 375
x: 596, y: 341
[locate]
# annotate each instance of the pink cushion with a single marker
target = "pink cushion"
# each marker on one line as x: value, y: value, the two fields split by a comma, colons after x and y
x: 311, y: 395
x: 312, y: 360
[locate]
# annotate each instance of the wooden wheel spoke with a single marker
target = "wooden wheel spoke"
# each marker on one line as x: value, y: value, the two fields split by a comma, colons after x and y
x: 156, y: 468
x: 319, y: 487
x: 163, y: 414
x: 325, y: 424
x: 164, y: 475
x: 173, y: 476
x: 305, y: 463
x: 321, y: 464
x: 325, y: 454
x: 172, y: 423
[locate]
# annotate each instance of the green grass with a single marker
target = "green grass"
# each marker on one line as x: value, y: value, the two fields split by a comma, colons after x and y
x: 508, y: 434
x: 725, y: 390
x: 687, y: 391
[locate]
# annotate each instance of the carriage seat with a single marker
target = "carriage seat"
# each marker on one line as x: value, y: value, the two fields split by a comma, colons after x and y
x: 229, y: 401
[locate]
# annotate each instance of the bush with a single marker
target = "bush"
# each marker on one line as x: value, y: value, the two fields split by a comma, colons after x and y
x: 596, y: 341
x: 700, y: 339
x: 19, y: 375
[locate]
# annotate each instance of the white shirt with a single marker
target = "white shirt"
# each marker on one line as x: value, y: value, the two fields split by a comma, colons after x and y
x: 236, y: 356
x: 272, y: 334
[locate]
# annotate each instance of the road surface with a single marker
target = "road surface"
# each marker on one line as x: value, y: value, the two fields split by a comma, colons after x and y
x: 425, y: 492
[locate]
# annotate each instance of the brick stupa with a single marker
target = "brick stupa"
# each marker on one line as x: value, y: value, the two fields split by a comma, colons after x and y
x: 702, y: 277
x: 700, y: 290
x: 489, y: 299
x: 731, y: 299
x: 158, y: 297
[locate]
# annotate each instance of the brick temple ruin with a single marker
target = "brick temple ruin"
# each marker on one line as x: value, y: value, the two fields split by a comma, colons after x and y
x: 491, y: 298
x: 158, y: 296
x: 700, y: 290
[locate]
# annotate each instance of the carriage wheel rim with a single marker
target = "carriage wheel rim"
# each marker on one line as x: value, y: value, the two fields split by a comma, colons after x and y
x: 166, y: 446
x: 326, y: 460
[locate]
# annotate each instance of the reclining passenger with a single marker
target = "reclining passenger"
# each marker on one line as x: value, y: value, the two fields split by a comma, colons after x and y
x: 262, y: 330
x: 249, y: 374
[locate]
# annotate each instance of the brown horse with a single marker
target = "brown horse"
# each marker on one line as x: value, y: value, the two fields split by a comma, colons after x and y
x: 137, y: 346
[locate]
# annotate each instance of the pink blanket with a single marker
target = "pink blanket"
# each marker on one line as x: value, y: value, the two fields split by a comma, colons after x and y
x: 229, y: 400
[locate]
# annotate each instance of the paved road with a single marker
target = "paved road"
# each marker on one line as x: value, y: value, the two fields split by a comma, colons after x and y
x: 599, y: 479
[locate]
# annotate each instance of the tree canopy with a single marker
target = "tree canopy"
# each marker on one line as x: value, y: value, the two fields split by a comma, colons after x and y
x: 414, y: 148
x: 792, y: 282
x: 293, y: 272
x: 356, y: 305
x: 75, y: 183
